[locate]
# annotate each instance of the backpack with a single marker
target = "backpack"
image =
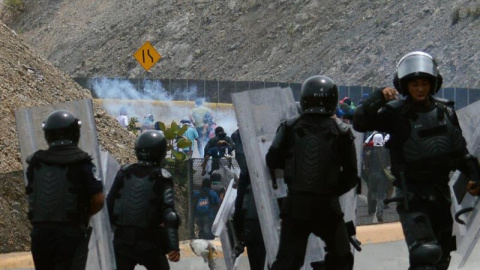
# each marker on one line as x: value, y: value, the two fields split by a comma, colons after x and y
x: 207, y: 118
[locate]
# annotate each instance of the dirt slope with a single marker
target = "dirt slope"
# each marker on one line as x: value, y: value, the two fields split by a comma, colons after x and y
x: 27, y: 80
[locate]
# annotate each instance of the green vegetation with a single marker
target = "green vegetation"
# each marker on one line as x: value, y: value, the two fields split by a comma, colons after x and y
x: 176, y: 161
x: 175, y: 140
x: 470, y: 12
x: 132, y: 125
x: 14, y: 5
x: 455, y: 15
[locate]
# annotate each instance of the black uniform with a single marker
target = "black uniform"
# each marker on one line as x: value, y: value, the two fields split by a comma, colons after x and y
x: 141, y: 206
x: 319, y: 163
x: 245, y: 217
x: 61, y: 181
x: 243, y: 181
x: 426, y: 144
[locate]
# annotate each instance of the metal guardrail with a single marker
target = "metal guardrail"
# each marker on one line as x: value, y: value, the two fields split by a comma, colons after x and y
x: 217, y: 91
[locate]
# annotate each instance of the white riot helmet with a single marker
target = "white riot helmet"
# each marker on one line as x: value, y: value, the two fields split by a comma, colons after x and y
x: 414, y: 65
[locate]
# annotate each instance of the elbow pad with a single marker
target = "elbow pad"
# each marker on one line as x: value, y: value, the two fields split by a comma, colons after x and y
x: 171, y: 219
x: 472, y: 167
x: 169, y: 197
x: 374, y: 103
x: 172, y: 222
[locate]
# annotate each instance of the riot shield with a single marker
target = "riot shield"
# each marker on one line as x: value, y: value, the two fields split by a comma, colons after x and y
x: 222, y: 228
x: 259, y: 113
x: 31, y: 138
x: 464, y: 206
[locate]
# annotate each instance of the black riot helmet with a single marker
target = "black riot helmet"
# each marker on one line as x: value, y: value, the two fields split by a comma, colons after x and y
x: 151, y: 147
x: 319, y: 95
x: 415, y: 65
x: 61, y: 128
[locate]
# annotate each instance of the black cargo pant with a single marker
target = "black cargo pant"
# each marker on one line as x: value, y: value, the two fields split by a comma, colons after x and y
x: 433, y: 222
x: 254, y: 242
x: 238, y: 218
x: 140, y: 246
x: 54, y: 246
x: 305, y: 214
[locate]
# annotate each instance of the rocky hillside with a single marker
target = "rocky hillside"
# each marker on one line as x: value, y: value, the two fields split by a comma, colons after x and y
x: 354, y: 42
x: 28, y: 80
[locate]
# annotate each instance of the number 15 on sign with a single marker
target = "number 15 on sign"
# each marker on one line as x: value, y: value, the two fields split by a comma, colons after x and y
x: 147, y: 56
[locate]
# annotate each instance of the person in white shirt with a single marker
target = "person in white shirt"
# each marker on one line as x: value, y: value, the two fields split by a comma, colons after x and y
x: 123, y: 118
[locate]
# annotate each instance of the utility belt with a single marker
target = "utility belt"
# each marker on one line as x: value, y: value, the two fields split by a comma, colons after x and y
x: 430, y: 165
x: 302, y: 194
x: 129, y: 235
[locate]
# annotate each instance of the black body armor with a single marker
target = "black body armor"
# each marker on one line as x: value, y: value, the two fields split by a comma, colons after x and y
x: 131, y: 207
x: 312, y: 161
x: 432, y: 136
x: 54, y: 197
x: 55, y: 190
x: 434, y: 143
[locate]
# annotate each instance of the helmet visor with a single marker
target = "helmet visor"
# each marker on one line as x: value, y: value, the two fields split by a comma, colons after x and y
x: 416, y: 62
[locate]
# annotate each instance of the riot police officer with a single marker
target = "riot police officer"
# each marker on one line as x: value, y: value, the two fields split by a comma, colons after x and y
x: 142, y: 210
x: 245, y: 216
x: 319, y: 163
x: 63, y: 191
x: 426, y: 143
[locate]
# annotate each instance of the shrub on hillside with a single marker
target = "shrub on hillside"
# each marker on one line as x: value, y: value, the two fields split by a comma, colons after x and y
x: 14, y: 5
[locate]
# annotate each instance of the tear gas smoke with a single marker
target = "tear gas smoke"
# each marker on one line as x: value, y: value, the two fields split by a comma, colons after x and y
x: 153, y: 98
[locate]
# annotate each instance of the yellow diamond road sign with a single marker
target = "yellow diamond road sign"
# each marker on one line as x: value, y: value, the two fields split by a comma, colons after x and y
x: 147, y: 56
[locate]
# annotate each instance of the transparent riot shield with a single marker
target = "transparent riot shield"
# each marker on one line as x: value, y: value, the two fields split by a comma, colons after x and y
x: 259, y: 113
x: 222, y: 226
x: 465, y: 207
x: 31, y: 138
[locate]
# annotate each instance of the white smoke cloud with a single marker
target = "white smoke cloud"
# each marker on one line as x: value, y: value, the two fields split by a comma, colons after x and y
x: 154, y: 99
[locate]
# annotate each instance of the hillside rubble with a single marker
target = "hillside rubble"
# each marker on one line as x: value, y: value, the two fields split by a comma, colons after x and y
x: 354, y: 42
x: 27, y: 81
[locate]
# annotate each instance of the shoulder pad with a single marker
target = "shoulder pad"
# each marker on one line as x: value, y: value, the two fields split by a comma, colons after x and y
x: 126, y: 167
x: 395, y: 104
x: 291, y: 121
x: 30, y: 159
x: 444, y: 101
x: 165, y: 174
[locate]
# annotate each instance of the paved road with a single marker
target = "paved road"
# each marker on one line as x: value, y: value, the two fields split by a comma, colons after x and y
x: 386, y: 255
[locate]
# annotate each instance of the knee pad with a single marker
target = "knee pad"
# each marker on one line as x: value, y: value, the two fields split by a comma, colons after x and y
x: 417, y: 229
x: 422, y: 268
x: 426, y: 254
